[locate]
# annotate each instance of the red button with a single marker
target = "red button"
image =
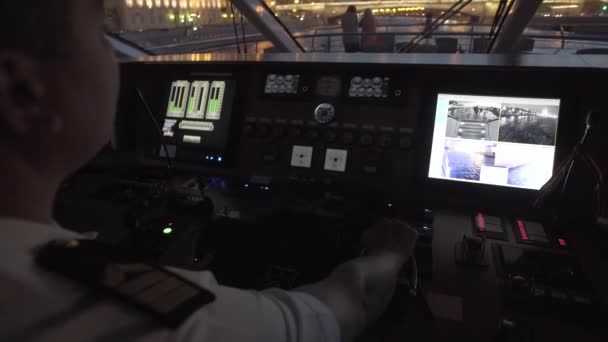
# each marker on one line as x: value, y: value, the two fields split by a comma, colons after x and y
x: 481, y: 223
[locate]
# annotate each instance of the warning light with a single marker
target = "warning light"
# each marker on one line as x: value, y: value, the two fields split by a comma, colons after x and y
x: 481, y: 222
x: 562, y: 242
x: 167, y: 230
x: 522, y: 230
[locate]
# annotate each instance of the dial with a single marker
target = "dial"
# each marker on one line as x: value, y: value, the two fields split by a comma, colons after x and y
x: 377, y: 82
x: 325, y: 113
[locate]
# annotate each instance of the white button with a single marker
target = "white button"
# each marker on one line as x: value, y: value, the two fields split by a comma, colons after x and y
x: 335, y: 160
x: 191, y: 139
x: 301, y: 156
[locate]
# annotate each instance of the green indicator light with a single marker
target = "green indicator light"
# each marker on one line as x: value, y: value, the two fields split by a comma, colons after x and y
x: 167, y: 230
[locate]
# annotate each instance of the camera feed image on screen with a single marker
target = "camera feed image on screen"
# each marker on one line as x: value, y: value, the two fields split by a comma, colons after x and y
x: 197, y: 113
x: 503, y: 141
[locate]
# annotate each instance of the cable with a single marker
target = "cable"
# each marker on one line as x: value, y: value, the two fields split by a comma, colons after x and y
x: 590, y: 122
x: 158, y: 130
x: 502, y: 23
x: 452, y: 11
x: 236, y: 32
x: 243, y: 32
x: 499, y: 13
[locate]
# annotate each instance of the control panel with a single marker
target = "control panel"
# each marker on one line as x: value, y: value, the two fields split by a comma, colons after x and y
x: 336, y: 127
x: 393, y: 128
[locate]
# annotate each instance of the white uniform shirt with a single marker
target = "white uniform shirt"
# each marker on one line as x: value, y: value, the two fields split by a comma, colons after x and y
x: 36, y: 305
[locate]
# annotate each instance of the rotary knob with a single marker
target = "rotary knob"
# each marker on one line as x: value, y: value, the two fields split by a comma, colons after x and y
x: 324, y: 113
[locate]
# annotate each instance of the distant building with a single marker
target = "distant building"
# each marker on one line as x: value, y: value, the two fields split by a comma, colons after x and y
x: 142, y: 15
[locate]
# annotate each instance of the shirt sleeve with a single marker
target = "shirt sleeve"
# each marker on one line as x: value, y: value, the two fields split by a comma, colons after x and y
x: 250, y: 316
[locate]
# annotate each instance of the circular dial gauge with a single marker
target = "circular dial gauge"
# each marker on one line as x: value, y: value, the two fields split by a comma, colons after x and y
x: 325, y: 113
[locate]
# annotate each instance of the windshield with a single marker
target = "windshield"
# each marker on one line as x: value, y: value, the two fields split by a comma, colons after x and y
x: 183, y: 26
x: 448, y: 26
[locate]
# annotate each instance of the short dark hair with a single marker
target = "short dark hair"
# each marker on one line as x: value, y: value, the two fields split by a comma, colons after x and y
x: 351, y: 9
x: 35, y: 27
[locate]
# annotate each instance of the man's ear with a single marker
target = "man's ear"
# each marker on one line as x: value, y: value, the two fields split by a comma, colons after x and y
x: 21, y: 92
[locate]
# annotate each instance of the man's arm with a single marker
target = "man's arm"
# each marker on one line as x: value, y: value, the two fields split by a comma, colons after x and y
x: 359, y: 291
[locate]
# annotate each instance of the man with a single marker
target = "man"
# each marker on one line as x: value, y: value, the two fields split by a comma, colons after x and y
x: 350, y: 25
x: 58, y: 89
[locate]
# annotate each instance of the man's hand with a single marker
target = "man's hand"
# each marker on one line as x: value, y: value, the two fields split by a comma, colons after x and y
x: 390, y: 236
x: 359, y: 290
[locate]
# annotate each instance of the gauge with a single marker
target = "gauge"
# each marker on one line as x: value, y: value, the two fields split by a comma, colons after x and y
x: 377, y: 82
x: 325, y: 113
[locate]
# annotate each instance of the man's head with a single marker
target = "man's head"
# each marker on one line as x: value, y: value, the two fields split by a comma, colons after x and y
x: 58, y: 82
x: 351, y: 9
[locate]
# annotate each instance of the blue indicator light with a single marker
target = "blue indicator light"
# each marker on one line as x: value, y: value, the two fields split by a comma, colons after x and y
x: 212, y: 158
x: 267, y: 188
x: 219, y: 159
x: 246, y: 185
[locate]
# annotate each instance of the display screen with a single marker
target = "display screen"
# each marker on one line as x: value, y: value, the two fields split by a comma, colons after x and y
x: 504, y: 141
x: 329, y: 86
x: 198, y: 114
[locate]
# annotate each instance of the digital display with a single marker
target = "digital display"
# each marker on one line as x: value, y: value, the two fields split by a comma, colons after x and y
x: 198, y: 114
x: 329, y: 86
x: 503, y: 141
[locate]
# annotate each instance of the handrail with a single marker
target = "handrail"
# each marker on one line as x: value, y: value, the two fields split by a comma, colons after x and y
x: 593, y: 37
x: 256, y: 38
x: 465, y: 34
